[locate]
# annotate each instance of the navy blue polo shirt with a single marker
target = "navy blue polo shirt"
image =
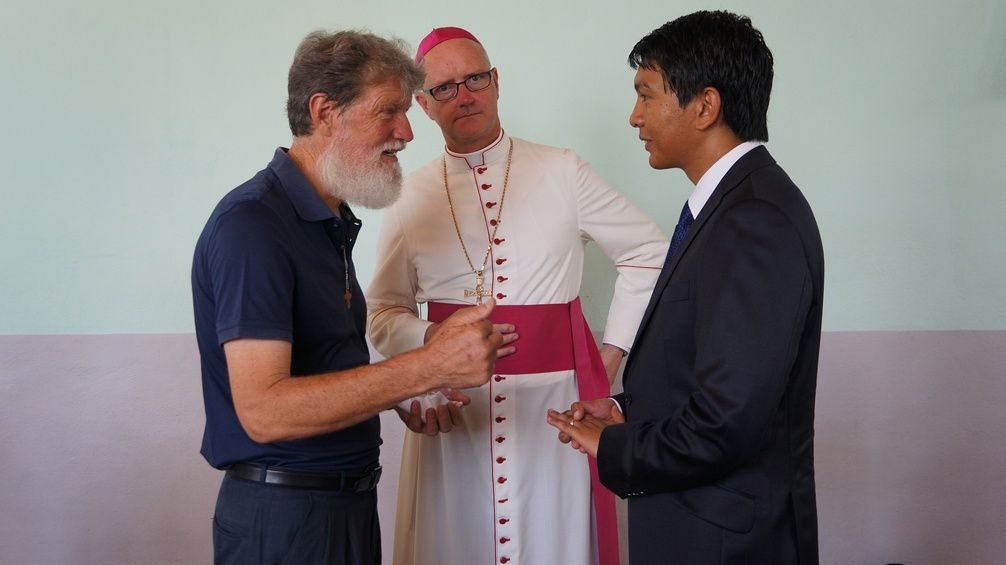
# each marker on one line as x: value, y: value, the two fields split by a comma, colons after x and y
x: 272, y: 263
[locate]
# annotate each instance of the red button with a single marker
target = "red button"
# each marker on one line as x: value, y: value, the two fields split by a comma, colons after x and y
x: 501, y: 278
x: 486, y: 186
x: 504, y: 540
x: 498, y: 241
x: 498, y: 378
x: 502, y: 500
x: 480, y: 170
x: 500, y: 460
x: 500, y: 296
x: 504, y: 520
x: 501, y: 480
x: 490, y: 204
x: 504, y: 559
x: 499, y: 419
x: 493, y: 222
x: 499, y: 398
x: 500, y: 439
x: 501, y: 260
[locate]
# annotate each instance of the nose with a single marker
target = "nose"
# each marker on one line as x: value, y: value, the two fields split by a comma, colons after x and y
x: 636, y: 117
x: 403, y: 130
x: 464, y: 95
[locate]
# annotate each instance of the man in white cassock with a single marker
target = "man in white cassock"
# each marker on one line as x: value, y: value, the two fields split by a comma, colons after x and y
x: 497, y: 216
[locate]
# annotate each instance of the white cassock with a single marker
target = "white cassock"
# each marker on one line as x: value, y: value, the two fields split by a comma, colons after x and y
x: 501, y: 488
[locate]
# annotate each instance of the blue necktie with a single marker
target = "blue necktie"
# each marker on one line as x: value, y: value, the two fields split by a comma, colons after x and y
x: 680, y: 231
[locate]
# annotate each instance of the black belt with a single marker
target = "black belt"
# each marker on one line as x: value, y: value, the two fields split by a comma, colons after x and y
x: 335, y: 482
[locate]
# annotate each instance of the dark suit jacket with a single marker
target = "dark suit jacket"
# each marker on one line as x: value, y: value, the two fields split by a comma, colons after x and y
x: 717, y: 452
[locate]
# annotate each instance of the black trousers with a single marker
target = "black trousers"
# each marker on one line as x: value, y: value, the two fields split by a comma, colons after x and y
x: 260, y: 524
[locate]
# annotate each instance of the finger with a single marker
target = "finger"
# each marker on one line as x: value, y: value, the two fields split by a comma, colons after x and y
x: 411, y: 418
x: 489, y: 306
x: 564, y: 437
x: 562, y: 421
x: 556, y: 420
x: 576, y: 410
x: 455, y: 413
x: 416, y: 416
x: 444, y: 418
x: 431, y: 422
x: 505, y: 329
x: 473, y: 314
x: 504, y: 351
x: 508, y: 337
x: 617, y: 415
x: 455, y: 395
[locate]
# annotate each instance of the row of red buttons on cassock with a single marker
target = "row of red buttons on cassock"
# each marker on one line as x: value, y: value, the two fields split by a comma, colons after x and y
x: 499, y: 398
x: 498, y: 378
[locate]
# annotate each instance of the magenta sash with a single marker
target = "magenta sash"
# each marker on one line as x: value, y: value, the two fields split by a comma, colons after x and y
x: 556, y: 337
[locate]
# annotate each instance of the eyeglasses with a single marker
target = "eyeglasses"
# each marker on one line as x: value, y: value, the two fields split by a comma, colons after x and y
x: 474, y: 83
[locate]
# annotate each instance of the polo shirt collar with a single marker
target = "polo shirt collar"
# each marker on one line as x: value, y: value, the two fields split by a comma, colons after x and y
x: 310, y: 207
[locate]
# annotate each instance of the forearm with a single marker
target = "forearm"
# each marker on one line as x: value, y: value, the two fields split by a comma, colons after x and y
x: 305, y: 406
x: 272, y: 405
x: 611, y: 356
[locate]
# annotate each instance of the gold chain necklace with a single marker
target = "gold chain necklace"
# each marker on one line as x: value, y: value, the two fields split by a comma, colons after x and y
x: 480, y: 290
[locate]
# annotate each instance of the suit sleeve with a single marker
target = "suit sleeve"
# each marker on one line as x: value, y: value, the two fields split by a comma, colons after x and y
x: 753, y: 292
x: 631, y: 240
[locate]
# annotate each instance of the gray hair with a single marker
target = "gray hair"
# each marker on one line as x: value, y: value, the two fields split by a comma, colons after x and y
x: 341, y: 65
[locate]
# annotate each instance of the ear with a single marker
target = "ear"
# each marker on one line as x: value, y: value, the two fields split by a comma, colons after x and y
x: 323, y: 113
x: 708, y: 108
x: 424, y: 103
x: 496, y: 79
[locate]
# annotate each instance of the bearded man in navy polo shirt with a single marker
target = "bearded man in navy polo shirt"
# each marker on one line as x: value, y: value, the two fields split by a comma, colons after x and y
x: 291, y: 400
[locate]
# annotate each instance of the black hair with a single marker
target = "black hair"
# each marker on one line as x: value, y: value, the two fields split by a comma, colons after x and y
x: 714, y: 49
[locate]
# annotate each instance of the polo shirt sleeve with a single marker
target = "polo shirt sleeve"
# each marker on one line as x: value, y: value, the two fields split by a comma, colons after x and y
x: 252, y: 274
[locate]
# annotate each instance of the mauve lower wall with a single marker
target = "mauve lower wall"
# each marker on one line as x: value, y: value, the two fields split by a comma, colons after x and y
x: 100, y: 438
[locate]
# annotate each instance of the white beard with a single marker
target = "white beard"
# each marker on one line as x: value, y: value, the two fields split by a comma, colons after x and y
x: 357, y: 177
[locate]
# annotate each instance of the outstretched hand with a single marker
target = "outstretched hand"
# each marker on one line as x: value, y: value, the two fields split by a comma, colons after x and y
x: 436, y: 419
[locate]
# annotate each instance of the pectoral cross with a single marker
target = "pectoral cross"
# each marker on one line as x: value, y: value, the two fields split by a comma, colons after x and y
x: 480, y: 289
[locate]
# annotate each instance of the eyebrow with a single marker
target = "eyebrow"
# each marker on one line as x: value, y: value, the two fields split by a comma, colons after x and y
x: 467, y: 76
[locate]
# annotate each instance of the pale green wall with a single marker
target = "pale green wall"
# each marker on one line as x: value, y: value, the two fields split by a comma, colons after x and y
x: 122, y: 123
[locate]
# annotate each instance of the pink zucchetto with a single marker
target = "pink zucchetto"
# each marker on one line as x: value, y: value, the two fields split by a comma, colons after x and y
x: 440, y: 35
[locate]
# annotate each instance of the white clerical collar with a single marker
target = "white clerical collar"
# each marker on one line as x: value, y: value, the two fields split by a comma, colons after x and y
x: 711, y: 179
x: 494, y: 152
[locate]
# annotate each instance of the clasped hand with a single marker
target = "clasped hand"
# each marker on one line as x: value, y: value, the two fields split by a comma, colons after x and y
x: 582, y: 424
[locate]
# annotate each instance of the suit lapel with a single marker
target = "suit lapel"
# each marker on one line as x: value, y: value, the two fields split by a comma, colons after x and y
x: 752, y: 160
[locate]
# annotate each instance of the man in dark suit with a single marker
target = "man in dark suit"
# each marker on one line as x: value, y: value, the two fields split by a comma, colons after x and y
x: 713, y: 438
